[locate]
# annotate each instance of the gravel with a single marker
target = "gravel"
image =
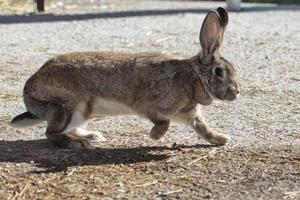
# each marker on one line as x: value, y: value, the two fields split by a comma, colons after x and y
x: 263, y: 42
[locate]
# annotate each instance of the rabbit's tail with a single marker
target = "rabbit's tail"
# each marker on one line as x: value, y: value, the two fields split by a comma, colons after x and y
x: 24, y: 120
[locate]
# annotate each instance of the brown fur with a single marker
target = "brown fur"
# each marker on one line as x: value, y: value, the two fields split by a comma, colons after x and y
x: 152, y: 85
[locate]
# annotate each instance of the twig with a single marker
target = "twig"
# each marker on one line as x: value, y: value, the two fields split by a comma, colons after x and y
x: 295, y: 79
x: 147, y: 184
x: 292, y: 194
x: 193, y: 161
x: 24, y: 189
x: 197, y: 159
x: 296, y: 158
x: 71, y: 172
x: 171, y: 192
x: 62, y: 159
x: 163, y: 39
x: 21, y: 193
x: 14, y: 197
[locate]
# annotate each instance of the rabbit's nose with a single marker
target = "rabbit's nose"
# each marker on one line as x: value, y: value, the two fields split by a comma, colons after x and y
x: 236, y: 87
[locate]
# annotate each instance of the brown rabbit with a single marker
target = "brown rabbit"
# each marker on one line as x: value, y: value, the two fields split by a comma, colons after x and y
x: 69, y: 89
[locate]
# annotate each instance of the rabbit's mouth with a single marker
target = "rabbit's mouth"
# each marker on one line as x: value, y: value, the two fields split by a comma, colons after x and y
x: 231, y: 94
x: 230, y: 97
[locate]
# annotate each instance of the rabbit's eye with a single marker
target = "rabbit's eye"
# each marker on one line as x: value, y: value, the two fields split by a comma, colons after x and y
x: 219, y: 72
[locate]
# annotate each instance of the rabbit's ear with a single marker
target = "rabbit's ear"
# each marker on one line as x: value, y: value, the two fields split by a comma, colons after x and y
x: 212, y: 30
x: 223, y: 17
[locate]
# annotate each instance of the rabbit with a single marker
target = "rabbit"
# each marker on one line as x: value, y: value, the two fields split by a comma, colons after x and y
x: 72, y: 88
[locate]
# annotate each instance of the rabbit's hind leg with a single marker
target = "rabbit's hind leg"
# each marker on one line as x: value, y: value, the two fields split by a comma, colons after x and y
x: 161, y: 126
x: 62, y: 128
x: 76, y: 128
x: 89, y: 135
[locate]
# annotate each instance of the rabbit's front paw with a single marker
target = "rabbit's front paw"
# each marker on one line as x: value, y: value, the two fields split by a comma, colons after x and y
x: 218, y: 138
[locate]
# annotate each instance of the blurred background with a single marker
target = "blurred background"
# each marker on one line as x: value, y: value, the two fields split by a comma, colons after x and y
x: 29, y: 6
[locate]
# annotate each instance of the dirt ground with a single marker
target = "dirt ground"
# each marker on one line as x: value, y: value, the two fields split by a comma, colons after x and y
x: 262, y: 160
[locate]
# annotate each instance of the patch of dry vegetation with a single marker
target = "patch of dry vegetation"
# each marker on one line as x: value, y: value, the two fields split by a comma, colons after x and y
x: 9, y: 96
x: 16, y: 6
x: 33, y: 169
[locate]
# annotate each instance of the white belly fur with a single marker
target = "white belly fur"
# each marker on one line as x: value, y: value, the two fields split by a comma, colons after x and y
x: 101, y: 107
x: 108, y: 107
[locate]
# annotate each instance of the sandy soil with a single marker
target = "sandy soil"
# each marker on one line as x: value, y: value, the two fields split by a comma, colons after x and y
x: 261, y: 162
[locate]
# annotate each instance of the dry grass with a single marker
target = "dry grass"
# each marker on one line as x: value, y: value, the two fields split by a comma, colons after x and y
x: 16, y: 6
x: 9, y: 96
x: 34, y: 169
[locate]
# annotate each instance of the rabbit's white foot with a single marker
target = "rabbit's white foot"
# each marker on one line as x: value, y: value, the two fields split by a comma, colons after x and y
x: 89, y: 135
x: 217, y: 138
x: 95, y: 135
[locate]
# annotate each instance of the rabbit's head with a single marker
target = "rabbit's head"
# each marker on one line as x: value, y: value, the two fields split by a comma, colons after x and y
x: 217, y: 74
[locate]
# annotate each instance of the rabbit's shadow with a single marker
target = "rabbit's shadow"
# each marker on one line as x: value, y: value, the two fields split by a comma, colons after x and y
x: 42, y: 154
